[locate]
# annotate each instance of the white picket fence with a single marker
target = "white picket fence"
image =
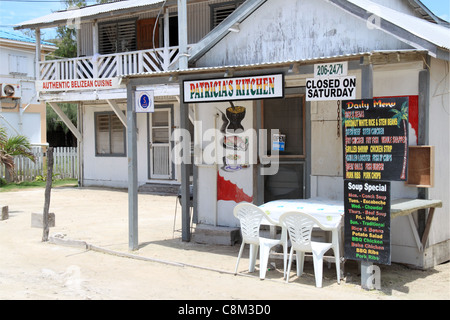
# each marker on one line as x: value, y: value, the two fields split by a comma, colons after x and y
x: 65, y: 164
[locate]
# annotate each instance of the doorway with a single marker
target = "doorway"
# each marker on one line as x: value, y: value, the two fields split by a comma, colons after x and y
x: 288, y: 115
x: 160, y: 147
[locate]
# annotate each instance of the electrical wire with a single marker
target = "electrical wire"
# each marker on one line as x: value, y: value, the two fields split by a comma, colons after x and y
x: 154, y: 29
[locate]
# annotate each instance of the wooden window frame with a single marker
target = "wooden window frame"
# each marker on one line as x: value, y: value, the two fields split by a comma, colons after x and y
x: 290, y: 157
x: 217, y: 6
x: 110, y: 154
x: 116, y: 25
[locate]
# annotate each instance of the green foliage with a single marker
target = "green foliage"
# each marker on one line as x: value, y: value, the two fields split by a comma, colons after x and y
x: 53, y: 120
x: 18, y: 145
x: 44, y: 178
x: 37, y: 184
x: 66, y: 42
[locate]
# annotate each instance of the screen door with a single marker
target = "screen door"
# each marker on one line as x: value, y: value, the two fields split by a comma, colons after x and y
x: 159, y: 143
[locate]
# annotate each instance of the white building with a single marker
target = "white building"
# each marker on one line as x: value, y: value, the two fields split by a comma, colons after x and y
x: 20, y: 110
x: 391, y: 48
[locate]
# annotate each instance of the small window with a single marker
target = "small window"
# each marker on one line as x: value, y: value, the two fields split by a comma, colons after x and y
x: 288, y: 116
x: 115, y: 37
x: 109, y: 135
x: 221, y: 11
x: 18, y: 64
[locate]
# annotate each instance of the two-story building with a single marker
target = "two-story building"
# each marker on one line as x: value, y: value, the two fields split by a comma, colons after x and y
x: 116, y: 40
x: 21, y: 112
x: 131, y: 49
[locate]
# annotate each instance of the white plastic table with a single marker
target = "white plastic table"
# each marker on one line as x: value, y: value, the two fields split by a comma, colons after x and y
x: 328, y: 212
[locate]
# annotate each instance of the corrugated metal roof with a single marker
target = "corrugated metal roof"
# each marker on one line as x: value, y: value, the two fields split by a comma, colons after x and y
x: 436, y: 34
x: 71, y: 15
x: 14, y: 36
x: 279, y: 64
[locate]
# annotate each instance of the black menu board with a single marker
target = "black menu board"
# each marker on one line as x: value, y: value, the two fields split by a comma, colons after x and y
x: 376, y: 138
x: 367, y: 221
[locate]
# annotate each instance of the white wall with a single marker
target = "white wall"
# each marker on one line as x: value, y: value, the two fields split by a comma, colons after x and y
x: 297, y: 29
x: 211, y: 211
x: 31, y: 125
x: 439, y: 124
x: 17, y: 68
x: 113, y: 171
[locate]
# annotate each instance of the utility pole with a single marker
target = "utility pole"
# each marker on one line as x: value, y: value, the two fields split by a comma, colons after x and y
x: 182, y: 34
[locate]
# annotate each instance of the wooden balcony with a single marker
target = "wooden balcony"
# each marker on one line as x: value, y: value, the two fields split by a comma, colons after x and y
x: 110, y: 65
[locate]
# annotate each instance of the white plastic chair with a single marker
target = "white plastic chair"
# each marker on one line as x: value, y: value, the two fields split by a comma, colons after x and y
x: 250, y: 217
x: 299, y: 226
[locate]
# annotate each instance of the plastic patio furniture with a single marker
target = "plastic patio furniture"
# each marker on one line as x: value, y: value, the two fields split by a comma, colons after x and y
x: 300, y: 226
x: 250, y: 217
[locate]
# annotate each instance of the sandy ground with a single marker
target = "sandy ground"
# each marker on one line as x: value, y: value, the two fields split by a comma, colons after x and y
x: 164, y: 267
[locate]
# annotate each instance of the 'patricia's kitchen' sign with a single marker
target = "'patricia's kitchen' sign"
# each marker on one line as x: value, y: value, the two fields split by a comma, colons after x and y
x: 226, y: 89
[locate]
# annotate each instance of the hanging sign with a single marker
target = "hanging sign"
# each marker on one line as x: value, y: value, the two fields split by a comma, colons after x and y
x: 376, y: 138
x: 278, y: 142
x: 234, y: 89
x: 76, y: 85
x: 336, y: 69
x: 331, y: 88
x: 367, y: 221
x: 145, y: 102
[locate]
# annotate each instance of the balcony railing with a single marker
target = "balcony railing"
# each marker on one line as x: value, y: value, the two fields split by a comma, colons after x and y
x: 110, y: 65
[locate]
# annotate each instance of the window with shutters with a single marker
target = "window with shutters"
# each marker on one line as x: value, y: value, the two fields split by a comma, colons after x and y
x: 109, y: 135
x: 117, y: 36
x: 222, y: 10
x: 18, y: 64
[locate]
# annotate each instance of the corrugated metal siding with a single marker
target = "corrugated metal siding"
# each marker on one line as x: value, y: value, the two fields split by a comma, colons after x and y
x: 199, y: 24
x: 85, y: 44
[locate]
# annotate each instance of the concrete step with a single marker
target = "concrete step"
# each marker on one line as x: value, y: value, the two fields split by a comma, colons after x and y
x: 159, y: 189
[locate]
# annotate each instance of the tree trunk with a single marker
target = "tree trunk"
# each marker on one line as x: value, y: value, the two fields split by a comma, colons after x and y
x: 48, y: 189
x: 405, y: 155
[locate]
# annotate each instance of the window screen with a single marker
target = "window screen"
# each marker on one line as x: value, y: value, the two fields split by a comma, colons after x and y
x: 220, y: 11
x: 115, y: 37
x: 286, y: 115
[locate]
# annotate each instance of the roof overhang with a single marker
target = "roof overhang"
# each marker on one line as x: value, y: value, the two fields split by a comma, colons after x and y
x: 374, y: 57
x: 416, y: 32
x: 93, y: 12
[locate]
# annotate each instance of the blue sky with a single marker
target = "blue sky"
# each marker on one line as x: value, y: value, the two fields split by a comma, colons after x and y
x: 16, y: 11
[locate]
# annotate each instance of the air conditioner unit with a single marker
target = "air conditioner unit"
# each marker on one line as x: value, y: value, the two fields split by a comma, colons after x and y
x: 9, y: 91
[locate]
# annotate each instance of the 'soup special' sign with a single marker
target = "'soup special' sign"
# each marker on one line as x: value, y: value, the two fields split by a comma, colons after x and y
x: 227, y: 89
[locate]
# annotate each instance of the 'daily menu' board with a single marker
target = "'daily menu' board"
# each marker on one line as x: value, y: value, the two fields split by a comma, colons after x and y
x: 376, y: 138
x: 367, y: 221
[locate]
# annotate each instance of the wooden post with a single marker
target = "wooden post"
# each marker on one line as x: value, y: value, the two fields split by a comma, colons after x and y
x: 133, y: 243
x: 182, y: 34
x: 367, y: 93
x: 38, y: 54
x: 48, y: 189
x: 185, y: 171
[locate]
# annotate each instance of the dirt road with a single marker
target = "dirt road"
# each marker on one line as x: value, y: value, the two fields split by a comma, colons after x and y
x: 164, y: 267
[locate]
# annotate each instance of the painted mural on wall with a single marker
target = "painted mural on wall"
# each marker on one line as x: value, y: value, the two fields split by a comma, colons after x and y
x: 234, y: 174
x: 234, y: 141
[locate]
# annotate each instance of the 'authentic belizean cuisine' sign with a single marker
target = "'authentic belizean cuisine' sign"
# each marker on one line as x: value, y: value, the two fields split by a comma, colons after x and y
x: 77, y: 85
x: 233, y: 89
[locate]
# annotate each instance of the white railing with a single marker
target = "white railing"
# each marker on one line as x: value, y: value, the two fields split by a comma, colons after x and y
x: 110, y: 65
x: 65, y: 164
